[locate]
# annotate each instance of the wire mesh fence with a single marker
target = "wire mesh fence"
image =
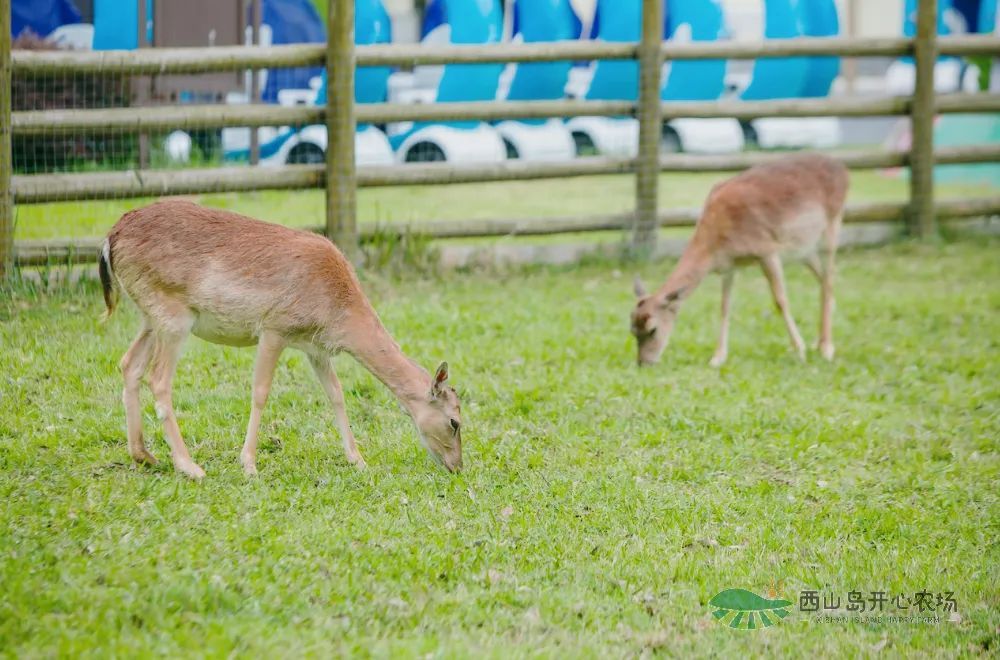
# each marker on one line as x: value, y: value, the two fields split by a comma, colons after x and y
x: 324, y: 137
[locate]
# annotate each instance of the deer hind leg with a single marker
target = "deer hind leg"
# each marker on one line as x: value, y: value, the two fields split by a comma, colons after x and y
x: 331, y: 385
x: 133, y: 365
x: 815, y: 265
x: 268, y: 351
x: 771, y: 265
x: 169, y: 341
x: 722, y: 350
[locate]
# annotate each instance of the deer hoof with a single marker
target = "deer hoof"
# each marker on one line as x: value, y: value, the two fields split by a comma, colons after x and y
x: 143, y: 457
x: 717, y: 361
x: 249, y: 466
x: 826, y: 350
x: 190, y: 469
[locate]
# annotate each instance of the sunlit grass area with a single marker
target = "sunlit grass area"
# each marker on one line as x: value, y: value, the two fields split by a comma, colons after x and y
x: 414, y: 205
x: 601, y: 508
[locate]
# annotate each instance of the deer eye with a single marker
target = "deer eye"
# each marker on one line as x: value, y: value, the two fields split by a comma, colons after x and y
x: 454, y: 425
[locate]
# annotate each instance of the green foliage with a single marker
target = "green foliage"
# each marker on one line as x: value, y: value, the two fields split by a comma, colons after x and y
x: 985, y: 64
x: 602, y: 506
x: 398, y: 252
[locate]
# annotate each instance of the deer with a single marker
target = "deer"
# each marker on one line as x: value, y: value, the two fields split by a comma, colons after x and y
x: 233, y: 280
x: 783, y: 208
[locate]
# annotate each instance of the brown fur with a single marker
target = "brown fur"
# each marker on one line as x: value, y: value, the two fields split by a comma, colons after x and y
x: 778, y: 208
x: 234, y: 280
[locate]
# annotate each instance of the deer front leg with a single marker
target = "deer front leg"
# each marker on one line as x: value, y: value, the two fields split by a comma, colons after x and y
x: 771, y: 265
x: 722, y: 350
x: 331, y: 385
x: 269, y: 349
x: 133, y: 365
x: 165, y: 355
x: 829, y: 271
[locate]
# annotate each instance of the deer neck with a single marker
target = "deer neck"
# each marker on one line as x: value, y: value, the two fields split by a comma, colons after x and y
x: 372, y: 345
x: 695, y: 263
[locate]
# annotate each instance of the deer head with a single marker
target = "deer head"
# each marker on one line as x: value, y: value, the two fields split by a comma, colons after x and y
x: 439, y: 422
x: 653, y: 321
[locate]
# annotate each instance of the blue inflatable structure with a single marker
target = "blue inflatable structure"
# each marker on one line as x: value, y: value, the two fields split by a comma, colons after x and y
x: 779, y: 77
x: 41, y: 17
x: 540, y: 139
x: 819, y: 19
x: 613, y: 80
x: 308, y: 144
x: 466, y: 22
x: 694, y: 80
x: 794, y: 77
x: 697, y: 80
x: 901, y: 74
x: 291, y: 22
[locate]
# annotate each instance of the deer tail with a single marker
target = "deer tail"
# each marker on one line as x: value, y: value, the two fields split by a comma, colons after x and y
x: 107, y: 280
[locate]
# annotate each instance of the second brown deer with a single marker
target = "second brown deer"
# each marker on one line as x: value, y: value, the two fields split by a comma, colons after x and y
x: 788, y: 207
x: 233, y: 280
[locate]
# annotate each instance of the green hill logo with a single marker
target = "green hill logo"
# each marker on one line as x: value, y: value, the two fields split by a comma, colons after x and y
x: 745, y: 610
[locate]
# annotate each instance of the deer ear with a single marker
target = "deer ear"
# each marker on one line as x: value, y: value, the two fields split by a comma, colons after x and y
x: 672, y: 297
x: 639, y: 287
x: 440, y: 377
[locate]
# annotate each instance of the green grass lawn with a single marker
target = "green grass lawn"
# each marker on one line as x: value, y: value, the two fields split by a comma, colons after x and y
x: 417, y: 204
x: 601, y: 506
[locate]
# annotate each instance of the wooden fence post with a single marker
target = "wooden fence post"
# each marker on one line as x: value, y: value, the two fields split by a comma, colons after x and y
x: 650, y: 128
x: 6, y: 155
x: 341, y: 204
x: 920, y: 216
x: 255, y: 9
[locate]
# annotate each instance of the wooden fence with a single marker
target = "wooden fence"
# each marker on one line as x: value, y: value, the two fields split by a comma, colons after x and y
x: 340, y: 115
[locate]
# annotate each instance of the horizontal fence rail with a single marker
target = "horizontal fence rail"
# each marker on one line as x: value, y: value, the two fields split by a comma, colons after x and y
x: 832, y: 46
x: 162, y: 61
x: 165, y: 118
x: 37, y: 253
x: 41, y: 188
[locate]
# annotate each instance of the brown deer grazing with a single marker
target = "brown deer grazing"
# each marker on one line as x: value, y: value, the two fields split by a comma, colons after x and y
x: 784, y: 207
x: 233, y: 280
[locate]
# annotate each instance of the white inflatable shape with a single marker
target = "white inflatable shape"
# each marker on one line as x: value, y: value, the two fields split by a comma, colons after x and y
x: 481, y: 144
x: 708, y: 136
x: 900, y: 77
x: 797, y: 132
x: 178, y: 146
x: 611, y: 136
x: 550, y: 141
x: 578, y: 81
x: 371, y: 147
x: 421, y: 85
x: 76, y: 36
